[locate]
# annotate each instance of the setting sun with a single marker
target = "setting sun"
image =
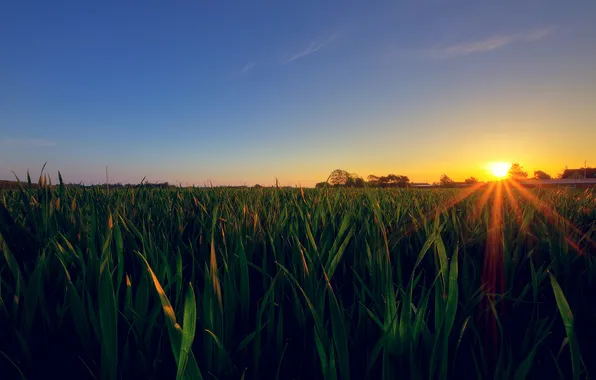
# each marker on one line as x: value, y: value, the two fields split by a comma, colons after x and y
x: 500, y: 169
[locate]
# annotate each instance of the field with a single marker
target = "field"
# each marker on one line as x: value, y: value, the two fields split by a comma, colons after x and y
x: 491, y: 283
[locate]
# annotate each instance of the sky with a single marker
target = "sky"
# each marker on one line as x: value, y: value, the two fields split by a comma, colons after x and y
x: 244, y: 92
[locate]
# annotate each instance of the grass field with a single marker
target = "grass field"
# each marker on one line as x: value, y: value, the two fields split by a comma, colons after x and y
x: 497, y: 283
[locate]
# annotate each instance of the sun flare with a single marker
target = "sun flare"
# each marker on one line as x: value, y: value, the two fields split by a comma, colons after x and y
x: 500, y: 169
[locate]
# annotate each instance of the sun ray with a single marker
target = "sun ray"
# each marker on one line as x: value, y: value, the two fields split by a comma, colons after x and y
x: 462, y: 195
x: 493, y: 277
x: 479, y: 206
x: 514, y: 205
x: 554, y: 218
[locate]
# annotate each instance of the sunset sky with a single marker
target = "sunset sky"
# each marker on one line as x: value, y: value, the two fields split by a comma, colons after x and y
x: 243, y: 92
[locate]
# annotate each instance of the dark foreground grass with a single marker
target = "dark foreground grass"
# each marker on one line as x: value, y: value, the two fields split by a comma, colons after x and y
x: 291, y: 284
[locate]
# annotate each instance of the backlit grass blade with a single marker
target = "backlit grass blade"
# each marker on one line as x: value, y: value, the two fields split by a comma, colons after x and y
x: 13, y: 266
x: 568, y: 321
x: 213, y: 261
x: 31, y: 297
x: 337, y: 255
x: 244, y: 280
x: 175, y: 333
x: 189, y: 324
x: 119, y: 256
x: 13, y: 364
x: 77, y: 308
x: 340, y: 340
x: 453, y: 293
x: 108, y: 321
x: 526, y: 365
x: 324, y: 345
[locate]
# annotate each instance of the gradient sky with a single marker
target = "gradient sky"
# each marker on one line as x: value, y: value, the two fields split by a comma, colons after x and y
x: 243, y: 92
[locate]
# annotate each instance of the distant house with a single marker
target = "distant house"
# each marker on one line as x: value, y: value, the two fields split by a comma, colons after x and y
x: 579, y: 173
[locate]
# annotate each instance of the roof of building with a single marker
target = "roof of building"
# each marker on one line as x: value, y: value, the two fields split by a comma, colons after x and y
x: 587, y: 172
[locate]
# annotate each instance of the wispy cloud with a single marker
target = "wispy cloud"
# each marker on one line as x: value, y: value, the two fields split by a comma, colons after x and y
x: 249, y: 66
x: 25, y: 142
x: 312, y: 48
x: 487, y: 44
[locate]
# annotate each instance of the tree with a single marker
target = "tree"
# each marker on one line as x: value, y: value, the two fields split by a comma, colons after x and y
x: 398, y: 179
x: 354, y: 180
x: 516, y: 172
x: 445, y: 181
x: 471, y: 181
x: 404, y: 180
x: 373, y: 179
x: 393, y: 180
x: 539, y: 174
x: 359, y: 182
x: 321, y: 185
x: 338, y: 177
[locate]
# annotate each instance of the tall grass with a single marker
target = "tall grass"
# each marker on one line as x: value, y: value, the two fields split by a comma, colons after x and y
x: 293, y: 283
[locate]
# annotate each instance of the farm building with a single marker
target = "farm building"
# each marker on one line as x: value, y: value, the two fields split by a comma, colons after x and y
x: 585, y: 173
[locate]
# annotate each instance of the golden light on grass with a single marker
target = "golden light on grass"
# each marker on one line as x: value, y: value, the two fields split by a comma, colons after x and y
x: 499, y: 169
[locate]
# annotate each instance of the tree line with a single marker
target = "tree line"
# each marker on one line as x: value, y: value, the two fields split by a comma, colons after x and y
x: 343, y: 178
x: 516, y: 172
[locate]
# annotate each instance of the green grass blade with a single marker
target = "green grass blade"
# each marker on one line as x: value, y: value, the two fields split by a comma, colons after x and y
x: 568, y: 321
x: 192, y: 370
x: 189, y: 325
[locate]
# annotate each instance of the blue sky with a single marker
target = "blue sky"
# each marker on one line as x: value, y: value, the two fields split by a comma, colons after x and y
x: 244, y: 92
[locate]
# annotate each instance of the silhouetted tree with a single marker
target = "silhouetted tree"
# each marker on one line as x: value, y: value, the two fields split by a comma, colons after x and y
x: 471, y: 180
x: 321, y: 185
x: 338, y: 177
x: 373, y: 180
x: 354, y: 180
x: 393, y: 180
x: 404, y: 180
x: 539, y: 174
x: 445, y: 180
x: 516, y: 172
